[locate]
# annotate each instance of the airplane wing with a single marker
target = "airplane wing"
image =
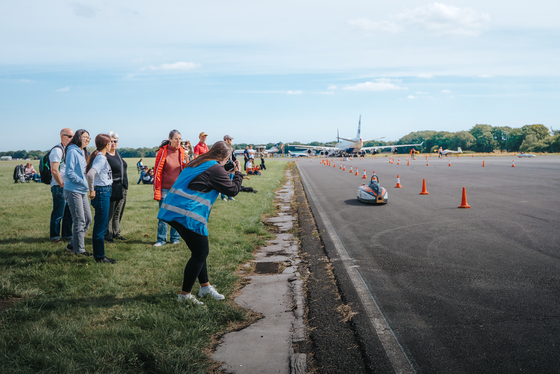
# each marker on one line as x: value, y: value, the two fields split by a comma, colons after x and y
x: 390, y: 146
x: 321, y: 148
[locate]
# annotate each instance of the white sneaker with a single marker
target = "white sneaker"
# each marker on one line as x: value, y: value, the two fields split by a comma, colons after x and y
x: 210, y: 290
x: 189, y: 298
x: 176, y: 242
x: 224, y: 198
x: 231, y: 198
x: 159, y: 244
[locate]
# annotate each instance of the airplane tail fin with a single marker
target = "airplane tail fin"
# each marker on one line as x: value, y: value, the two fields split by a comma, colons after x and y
x: 459, y: 150
x: 359, y: 126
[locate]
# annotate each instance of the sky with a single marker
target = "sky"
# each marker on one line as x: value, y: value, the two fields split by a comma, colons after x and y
x: 273, y: 71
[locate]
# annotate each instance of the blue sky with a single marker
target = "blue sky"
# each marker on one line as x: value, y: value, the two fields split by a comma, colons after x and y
x: 273, y: 71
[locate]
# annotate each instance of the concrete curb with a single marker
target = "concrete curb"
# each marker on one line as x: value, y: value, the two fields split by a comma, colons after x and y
x: 276, y: 292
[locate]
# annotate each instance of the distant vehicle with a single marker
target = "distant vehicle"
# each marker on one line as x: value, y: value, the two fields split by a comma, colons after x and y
x: 447, y: 152
x: 347, y: 147
x: 525, y: 155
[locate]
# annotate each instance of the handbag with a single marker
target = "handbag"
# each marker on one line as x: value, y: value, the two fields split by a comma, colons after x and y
x: 117, y: 189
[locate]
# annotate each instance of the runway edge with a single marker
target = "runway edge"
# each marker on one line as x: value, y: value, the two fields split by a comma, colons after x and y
x: 335, y: 316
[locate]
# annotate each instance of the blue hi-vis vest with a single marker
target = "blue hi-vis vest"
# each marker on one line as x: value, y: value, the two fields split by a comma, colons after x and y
x: 187, y: 207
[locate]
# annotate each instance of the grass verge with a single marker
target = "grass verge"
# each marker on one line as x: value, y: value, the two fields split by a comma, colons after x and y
x: 77, y: 315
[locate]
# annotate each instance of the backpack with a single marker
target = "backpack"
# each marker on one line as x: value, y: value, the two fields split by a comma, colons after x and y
x: 45, y: 166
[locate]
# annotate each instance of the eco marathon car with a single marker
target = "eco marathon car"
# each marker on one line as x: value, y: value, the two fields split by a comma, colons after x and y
x: 372, y: 193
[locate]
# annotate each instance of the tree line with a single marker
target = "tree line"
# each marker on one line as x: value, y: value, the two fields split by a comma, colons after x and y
x: 480, y: 138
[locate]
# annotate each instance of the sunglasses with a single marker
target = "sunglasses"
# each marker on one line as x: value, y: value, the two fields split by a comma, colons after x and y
x: 114, y: 141
x: 69, y: 136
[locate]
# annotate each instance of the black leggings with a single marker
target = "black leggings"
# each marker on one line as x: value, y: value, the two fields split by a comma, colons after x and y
x: 196, y: 267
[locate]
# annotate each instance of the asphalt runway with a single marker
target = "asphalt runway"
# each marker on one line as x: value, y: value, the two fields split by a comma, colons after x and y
x: 452, y: 290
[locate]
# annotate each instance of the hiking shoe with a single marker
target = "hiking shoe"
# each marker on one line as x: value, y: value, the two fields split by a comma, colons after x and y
x: 176, y: 242
x: 84, y: 253
x: 120, y: 237
x: 69, y: 248
x: 189, y: 298
x: 231, y: 198
x: 210, y: 290
x: 106, y: 260
x: 159, y: 244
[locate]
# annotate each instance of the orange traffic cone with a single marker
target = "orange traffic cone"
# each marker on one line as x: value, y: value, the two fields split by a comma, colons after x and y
x: 483, y: 164
x: 464, y: 203
x: 344, y: 167
x: 398, y: 182
x: 356, y: 173
x: 407, y: 162
x: 398, y: 162
x: 512, y: 163
x: 364, y: 176
x: 427, y: 163
x: 351, y: 169
x: 424, y: 190
x: 449, y: 163
x: 334, y: 165
x: 340, y: 167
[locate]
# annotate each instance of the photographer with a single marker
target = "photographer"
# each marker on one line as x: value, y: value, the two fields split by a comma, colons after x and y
x: 187, y: 208
x: 229, y: 166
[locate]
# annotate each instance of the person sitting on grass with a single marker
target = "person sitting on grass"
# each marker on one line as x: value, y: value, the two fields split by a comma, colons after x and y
x: 187, y: 209
x: 142, y: 173
x: 148, y: 177
x: 31, y: 174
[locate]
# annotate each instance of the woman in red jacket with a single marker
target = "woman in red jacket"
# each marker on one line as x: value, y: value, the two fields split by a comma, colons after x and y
x: 170, y: 161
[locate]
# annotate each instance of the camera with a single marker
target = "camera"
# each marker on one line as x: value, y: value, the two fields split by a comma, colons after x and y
x: 229, y: 166
x: 183, y: 143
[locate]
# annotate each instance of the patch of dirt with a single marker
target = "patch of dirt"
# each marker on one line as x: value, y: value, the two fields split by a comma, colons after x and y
x: 8, y: 303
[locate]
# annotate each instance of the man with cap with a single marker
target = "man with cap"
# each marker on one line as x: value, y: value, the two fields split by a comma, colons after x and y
x: 201, y: 148
x: 228, y: 140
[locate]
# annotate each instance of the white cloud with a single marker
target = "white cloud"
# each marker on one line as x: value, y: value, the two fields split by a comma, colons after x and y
x: 426, y: 76
x: 177, y: 66
x: 377, y: 86
x: 26, y: 81
x: 447, y: 19
x: 412, y: 97
x: 298, y: 92
x: 485, y: 76
x: 82, y: 10
x: 366, y: 24
x: 446, y: 91
x: 64, y: 89
x: 331, y: 87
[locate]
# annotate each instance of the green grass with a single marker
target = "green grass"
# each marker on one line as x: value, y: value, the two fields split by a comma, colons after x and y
x: 80, y: 316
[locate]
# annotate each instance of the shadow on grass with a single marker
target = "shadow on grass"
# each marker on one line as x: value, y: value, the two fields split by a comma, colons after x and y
x: 106, y: 301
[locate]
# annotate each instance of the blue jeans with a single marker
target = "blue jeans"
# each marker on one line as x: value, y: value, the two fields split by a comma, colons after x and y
x: 231, y: 178
x: 162, y: 226
x: 100, y: 219
x: 59, y: 213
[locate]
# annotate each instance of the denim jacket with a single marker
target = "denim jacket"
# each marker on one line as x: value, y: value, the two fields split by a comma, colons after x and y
x: 75, y: 171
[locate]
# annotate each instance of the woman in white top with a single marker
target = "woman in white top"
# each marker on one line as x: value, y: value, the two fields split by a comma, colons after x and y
x: 100, y: 179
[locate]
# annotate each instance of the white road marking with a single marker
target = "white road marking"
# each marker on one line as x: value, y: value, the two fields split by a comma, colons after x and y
x: 394, y: 351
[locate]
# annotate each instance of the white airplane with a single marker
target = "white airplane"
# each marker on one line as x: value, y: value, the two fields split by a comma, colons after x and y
x: 354, y: 146
x: 274, y: 149
x: 301, y: 154
x: 447, y: 152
